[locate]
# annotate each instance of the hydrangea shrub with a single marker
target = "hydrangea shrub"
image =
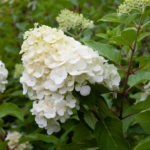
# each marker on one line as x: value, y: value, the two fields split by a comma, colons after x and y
x: 79, y: 75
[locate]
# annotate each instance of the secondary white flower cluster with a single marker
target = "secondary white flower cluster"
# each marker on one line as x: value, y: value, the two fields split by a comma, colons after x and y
x: 146, y: 92
x: 128, y: 5
x: 54, y: 66
x: 3, y: 77
x: 13, y: 138
x: 70, y: 20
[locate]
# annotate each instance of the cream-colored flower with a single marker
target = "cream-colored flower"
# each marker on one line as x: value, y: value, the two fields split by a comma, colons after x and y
x: 53, y: 109
x: 70, y: 20
x: 13, y: 141
x: 54, y: 66
x: 3, y: 77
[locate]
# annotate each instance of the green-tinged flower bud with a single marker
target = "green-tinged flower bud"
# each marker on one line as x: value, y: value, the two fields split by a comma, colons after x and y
x: 129, y: 5
x: 18, y: 70
x: 69, y: 20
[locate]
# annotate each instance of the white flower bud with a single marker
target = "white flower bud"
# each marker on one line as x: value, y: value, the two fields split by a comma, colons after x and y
x: 85, y: 90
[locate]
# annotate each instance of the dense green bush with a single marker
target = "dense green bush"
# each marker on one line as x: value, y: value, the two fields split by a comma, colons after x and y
x: 107, y: 119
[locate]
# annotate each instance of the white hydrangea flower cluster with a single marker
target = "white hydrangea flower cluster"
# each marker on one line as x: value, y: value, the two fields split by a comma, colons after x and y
x: 128, y: 5
x: 13, y: 138
x: 3, y: 77
x: 54, y: 66
x: 146, y: 92
x: 70, y: 20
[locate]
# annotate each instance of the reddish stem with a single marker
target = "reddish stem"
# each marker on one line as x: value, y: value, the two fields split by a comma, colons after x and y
x: 129, y: 89
x: 137, y: 69
x: 126, y: 80
x: 116, y: 92
x: 122, y: 68
x: 125, y: 90
x: 114, y: 112
x: 129, y: 115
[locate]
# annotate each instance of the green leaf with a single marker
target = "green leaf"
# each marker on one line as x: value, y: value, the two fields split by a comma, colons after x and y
x: 138, y: 107
x: 135, y: 109
x: 11, y: 109
x: 143, y: 35
x: 75, y: 146
x: 90, y: 119
x: 143, y: 61
x: 64, y: 136
x: 39, y: 137
x: 81, y: 133
x: 146, y: 25
x: 138, y: 77
x: 123, y: 19
x: 127, y: 122
x: 118, y: 40
x: 102, y: 35
x: 105, y: 50
x: 100, y: 88
x: 109, y: 135
x: 3, y: 145
x: 127, y: 19
x: 143, y: 120
x: 126, y: 37
x: 113, y: 17
x: 129, y: 35
x: 143, y: 144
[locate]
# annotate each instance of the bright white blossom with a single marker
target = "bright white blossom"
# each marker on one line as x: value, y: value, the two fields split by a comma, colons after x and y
x: 128, y: 5
x: 54, y: 66
x: 70, y: 20
x: 13, y: 141
x: 3, y: 77
x: 146, y: 92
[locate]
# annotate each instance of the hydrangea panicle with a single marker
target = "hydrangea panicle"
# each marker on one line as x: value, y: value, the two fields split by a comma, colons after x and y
x: 54, y: 66
x: 70, y: 20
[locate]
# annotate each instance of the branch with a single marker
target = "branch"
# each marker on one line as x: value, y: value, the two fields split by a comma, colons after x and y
x: 126, y: 80
x: 137, y: 69
x: 125, y: 90
x: 114, y: 113
x: 129, y: 115
x: 122, y: 68
x: 129, y: 89
x: 116, y: 92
